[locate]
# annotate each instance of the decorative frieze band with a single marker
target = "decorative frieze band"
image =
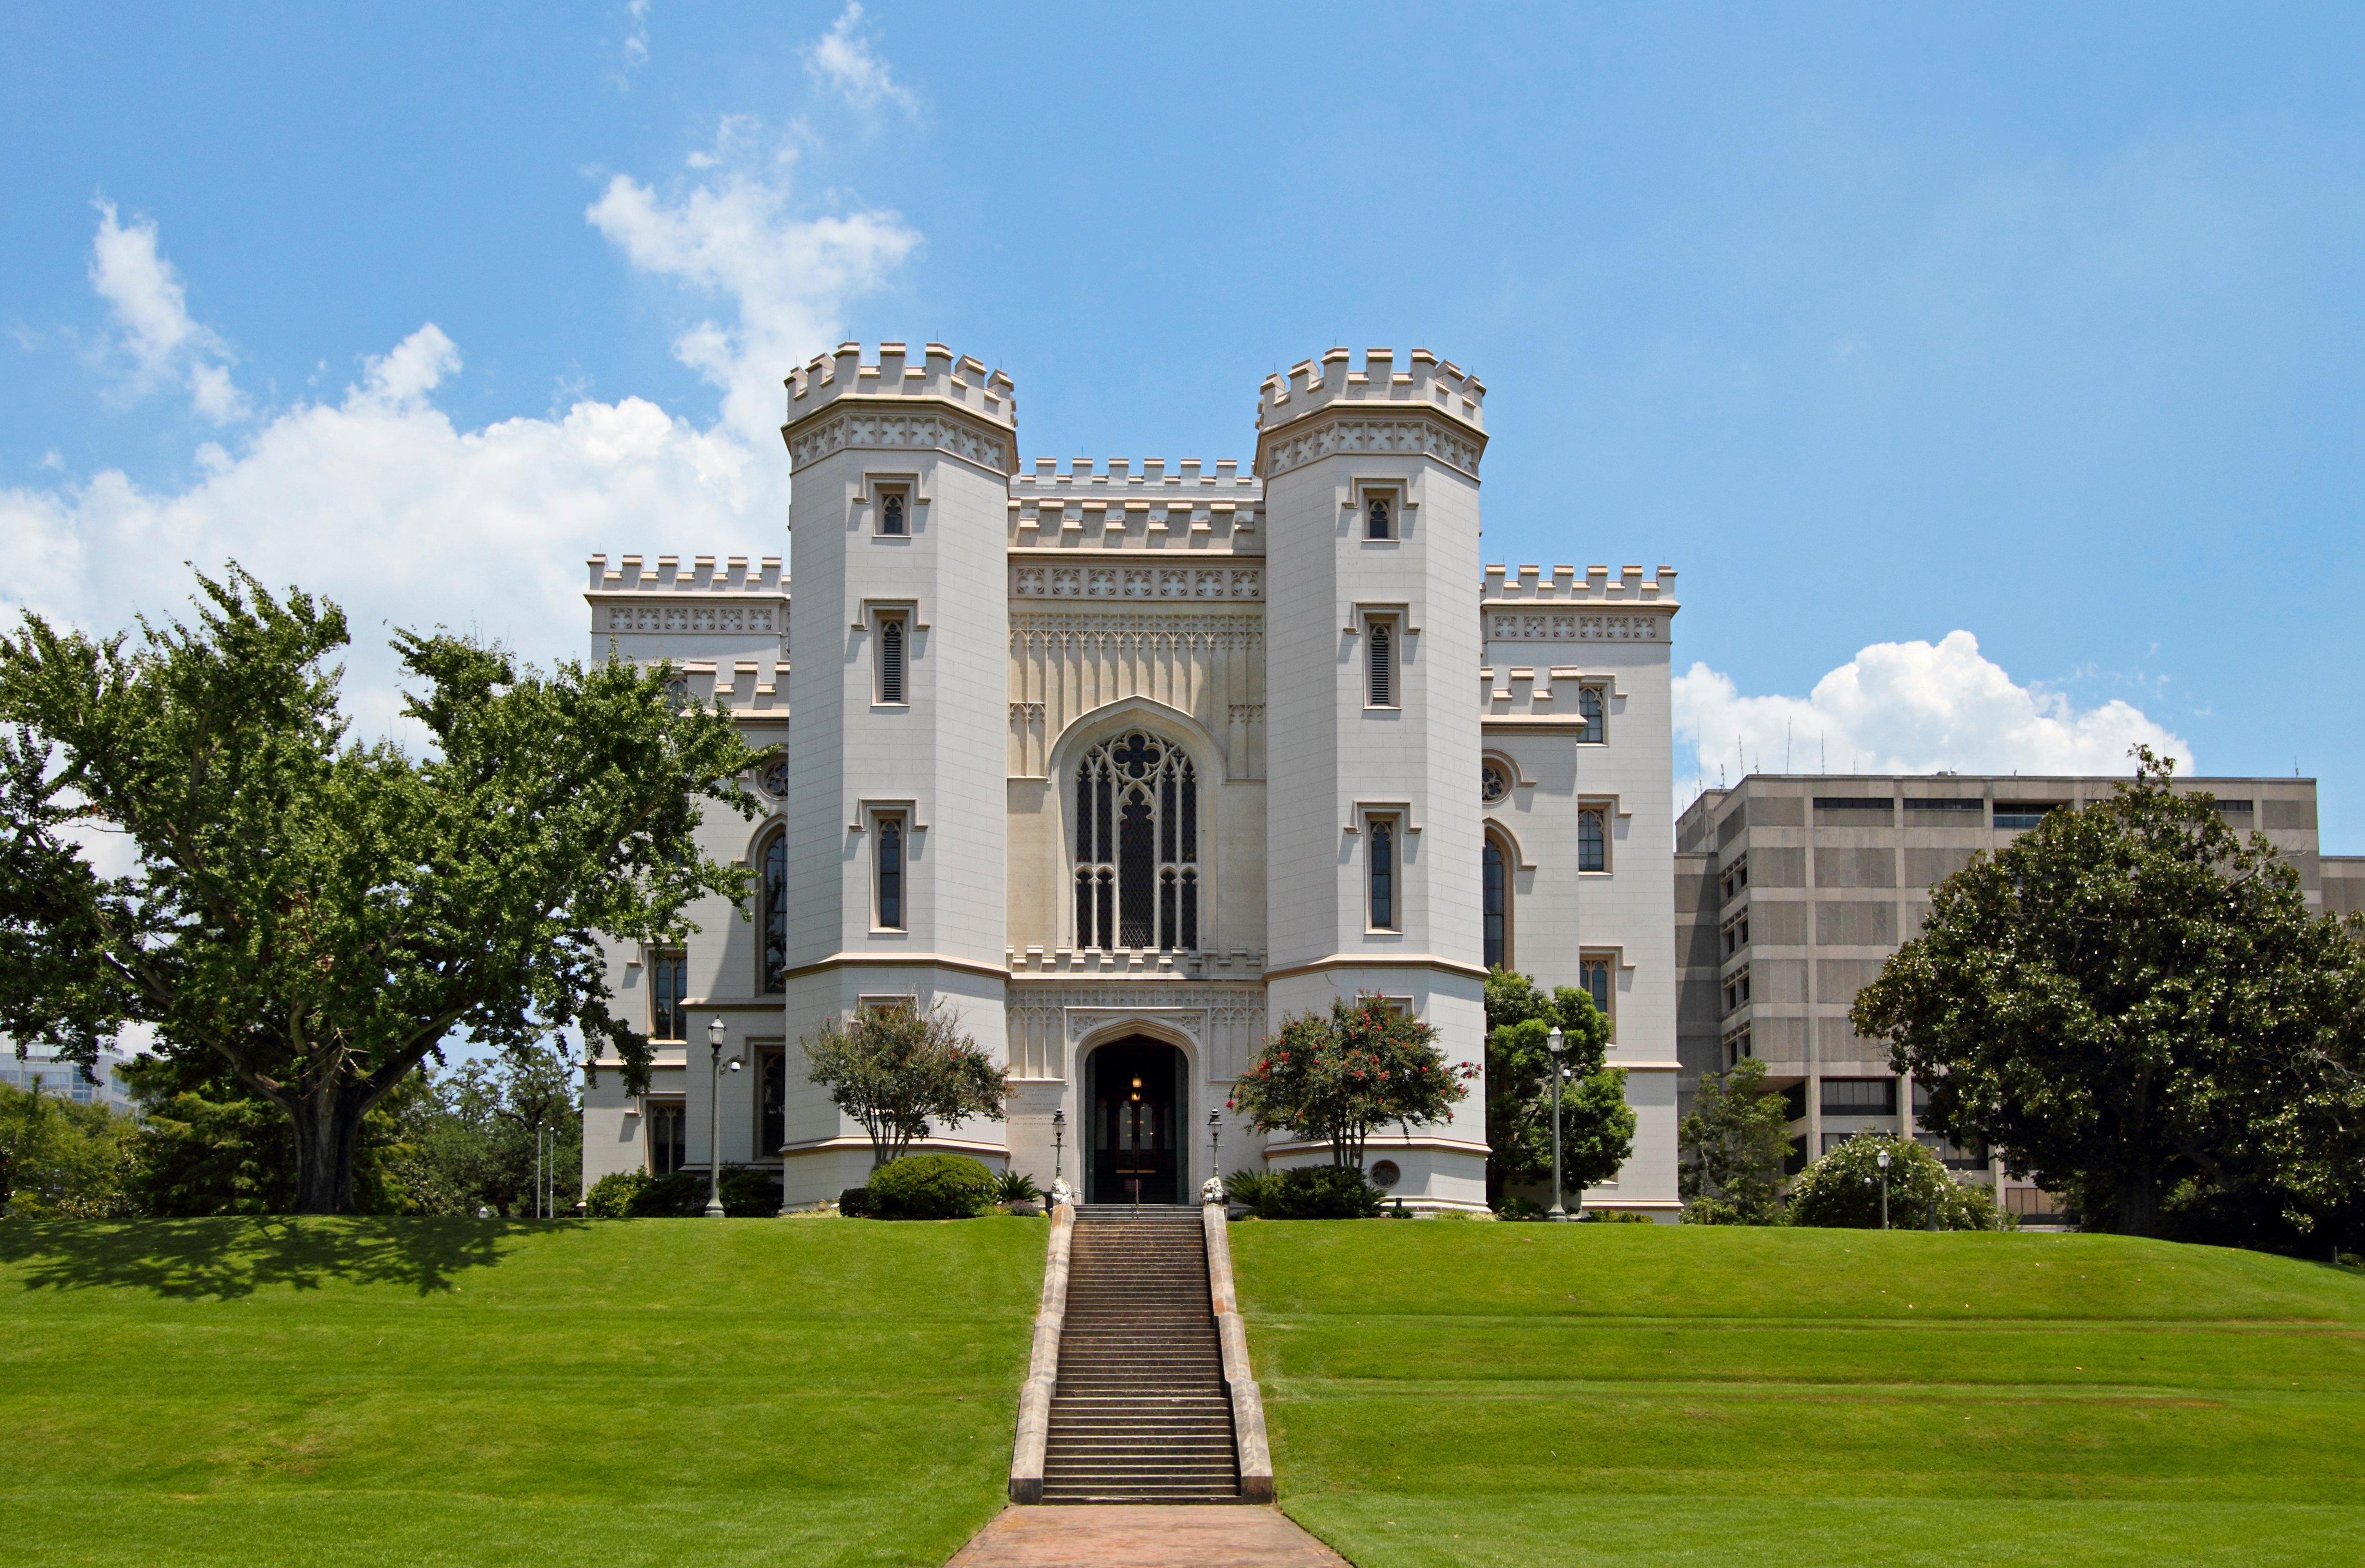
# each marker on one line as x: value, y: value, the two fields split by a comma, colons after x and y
x: 1525, y: 626
x: 1413, y: 433
x: 1136, y: 582
x: 870, y: 429
x: 662, y: 616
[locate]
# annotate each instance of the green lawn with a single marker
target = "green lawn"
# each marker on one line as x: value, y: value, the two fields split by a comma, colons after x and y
x: 1500, y: 1394
x: 430, y: 1392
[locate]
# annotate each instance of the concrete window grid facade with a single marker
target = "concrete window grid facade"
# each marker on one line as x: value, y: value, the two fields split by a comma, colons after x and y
x: 1807, y: 884
x: 1227, y: 609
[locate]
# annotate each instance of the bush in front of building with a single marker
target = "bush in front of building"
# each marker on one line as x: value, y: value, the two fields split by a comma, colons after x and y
x: 1319, y: 1191
x: 1842, y: 1190
x: 612, y: 1196
x: 855, y: 1203
x: 1245, y: 1188
x: 931, y: 1186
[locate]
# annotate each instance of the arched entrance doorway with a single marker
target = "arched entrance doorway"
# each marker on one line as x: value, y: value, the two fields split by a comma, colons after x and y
x: 1136, y: 1108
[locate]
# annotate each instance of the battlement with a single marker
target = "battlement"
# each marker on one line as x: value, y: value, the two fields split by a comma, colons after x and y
x: 937, y: 375
x: 1430, y: 383
x: 633, y: 573
x: 1227, y: 482
x: 1565, y: 587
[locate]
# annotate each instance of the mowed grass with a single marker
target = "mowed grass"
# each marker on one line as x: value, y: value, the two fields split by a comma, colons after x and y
x: 430, y: 1392
x: 1484, y: 1396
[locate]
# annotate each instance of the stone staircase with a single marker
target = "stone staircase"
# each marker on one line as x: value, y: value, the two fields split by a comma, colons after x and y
x: 1140, y: 1414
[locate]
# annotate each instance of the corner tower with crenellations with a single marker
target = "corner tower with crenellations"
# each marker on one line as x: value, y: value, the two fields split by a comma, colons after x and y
x: 1266, y: 738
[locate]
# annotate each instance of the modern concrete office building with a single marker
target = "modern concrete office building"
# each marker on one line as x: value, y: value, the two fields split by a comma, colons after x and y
x: 1791, y: 892
x: 1127, y: 761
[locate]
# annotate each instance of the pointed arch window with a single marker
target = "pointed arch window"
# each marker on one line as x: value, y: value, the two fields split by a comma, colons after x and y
x: 1136, y: 814
x: 1497, y: 905
x: 891, y: 871
x: 891, y: 512
x: 1383, y: 874
x: 1382, y: 663
x: 773, y: 912
x: 891, y: 659
x: 1379, y: 519
x: 1592, y: 840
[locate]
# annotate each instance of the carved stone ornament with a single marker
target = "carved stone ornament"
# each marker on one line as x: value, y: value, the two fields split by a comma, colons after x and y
x: 1211, y: 1191
x: 1061, y: 1193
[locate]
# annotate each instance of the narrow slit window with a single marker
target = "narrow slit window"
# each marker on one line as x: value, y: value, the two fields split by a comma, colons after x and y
x: 891, y: 659
x: 1384, y: 875
x: 1382, y: 660
x: 774, y: 893
x: 1497, y: 906
x: 1595, y: 973
x: 668, y: 983
x: 891, y: 873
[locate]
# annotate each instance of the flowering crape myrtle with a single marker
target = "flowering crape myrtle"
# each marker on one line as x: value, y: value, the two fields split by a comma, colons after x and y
x: 1333, y: 1079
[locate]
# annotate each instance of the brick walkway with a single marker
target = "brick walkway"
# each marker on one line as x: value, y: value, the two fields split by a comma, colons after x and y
x: 1144, y: 1535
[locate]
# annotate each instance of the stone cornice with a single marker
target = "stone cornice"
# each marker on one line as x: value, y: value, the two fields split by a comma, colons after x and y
x: 1359, y: 430
x: 900, y: 424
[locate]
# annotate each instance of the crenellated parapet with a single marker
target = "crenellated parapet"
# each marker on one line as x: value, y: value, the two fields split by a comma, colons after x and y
x: 1185, y: 508
x: 1326, y: 408
x: 1566, y: 608
x: 938, y: 401
x: 638, y: 574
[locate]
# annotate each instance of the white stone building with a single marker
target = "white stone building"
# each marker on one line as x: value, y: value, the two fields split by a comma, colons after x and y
x: 1125, y: 764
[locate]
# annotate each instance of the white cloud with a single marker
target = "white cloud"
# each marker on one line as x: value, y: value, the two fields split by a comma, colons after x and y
x: 1906, y: 708
x: 144, y: 293
x: 376, y: 499
x: 636, y: 38
x: 731, y: 235
x: 843, y: 60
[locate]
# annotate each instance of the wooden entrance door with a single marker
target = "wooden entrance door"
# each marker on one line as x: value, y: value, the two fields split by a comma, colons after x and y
x: 1135, y: 1093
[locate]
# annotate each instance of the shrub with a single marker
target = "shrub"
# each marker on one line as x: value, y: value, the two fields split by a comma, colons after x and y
x: 1708, y: 1209
x: 612, y: 1196
x: 1519, y: 1208
x: 1015, y: 1187
x: 1842, y: 1190
x: 1319, y: 1191
x: 1619, y: 1216
x: 855, y: 1203
x: 749, y: 1194
x: 1246, y: 1187
x: 931, y: 1186
x: 681, y: 1195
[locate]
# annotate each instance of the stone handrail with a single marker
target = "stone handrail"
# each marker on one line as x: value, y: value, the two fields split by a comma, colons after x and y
x: 1248, y: 1406
x: 1043, y: 1366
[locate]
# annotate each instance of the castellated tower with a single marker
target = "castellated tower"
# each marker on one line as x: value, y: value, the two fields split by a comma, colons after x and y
x: 1373, y: 869
x: 896, y: 821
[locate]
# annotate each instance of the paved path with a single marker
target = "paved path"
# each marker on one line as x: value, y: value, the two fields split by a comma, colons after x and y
x: 1214, y: 1535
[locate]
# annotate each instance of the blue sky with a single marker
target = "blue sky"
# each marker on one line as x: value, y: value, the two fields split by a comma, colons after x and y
x: 1991, y: 375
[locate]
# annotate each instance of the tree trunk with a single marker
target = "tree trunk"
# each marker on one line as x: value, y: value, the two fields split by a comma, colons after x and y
x: 2139, y: 1207
x: 328, y: 1136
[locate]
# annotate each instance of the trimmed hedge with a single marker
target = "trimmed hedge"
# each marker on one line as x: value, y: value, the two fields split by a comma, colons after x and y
x: 1319, y: 1191
x: 855, y: 1203
x: 633, y: 1194
x: 931, y: 1186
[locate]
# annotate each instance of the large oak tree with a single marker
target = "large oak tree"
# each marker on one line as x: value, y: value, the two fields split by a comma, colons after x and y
x: 317, y: 914
x: 2133, y: 1006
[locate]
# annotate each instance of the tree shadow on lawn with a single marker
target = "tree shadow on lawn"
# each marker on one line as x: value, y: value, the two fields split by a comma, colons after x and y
x: 223, y: 1259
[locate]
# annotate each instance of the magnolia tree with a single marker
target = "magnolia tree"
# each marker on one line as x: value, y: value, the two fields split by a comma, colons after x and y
x: 899, y: 1071
x: 1597, y: 1126
x: 317, y: 916
x: 1333, y: 1079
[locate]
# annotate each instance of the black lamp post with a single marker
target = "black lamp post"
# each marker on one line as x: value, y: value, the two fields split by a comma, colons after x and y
x: 1555, y: 1043
x: 715, y: 1031
x: 1215, y: 1144
x: 1059, y: 1140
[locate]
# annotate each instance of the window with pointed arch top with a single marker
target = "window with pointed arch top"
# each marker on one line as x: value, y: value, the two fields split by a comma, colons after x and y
x: 1497, y: 895
x: 889, y: 872
x: 1379, y: 519
x: 1592, y: 840
x: 1136, y: 845
x: 891, y: 660
x: 1589, y: 709
x: 893, y: 505
x: 1383, y: 857
x: 1381, y: 660
x: 772, y: 920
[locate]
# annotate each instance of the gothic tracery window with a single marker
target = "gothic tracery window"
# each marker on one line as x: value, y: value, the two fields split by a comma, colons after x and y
x: 1137, y: 813
x: 774, y: 925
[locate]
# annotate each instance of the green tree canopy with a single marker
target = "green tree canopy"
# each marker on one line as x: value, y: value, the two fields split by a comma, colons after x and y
x: 900, y: 1072
x: 1333, y: 1079
x: 1733, y: 1142
x: 321, y: 915
x: 2134, y: 1008
x: 1596, y: 1124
